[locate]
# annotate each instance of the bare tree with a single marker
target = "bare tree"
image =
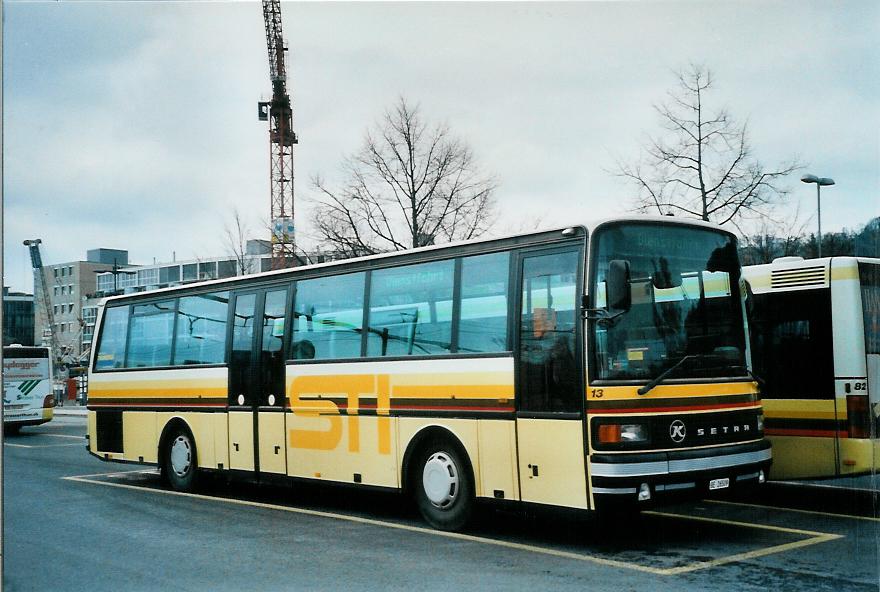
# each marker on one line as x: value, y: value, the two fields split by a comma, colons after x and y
x: 702, y: 165
x: 410, y: 185
x: 235, y: 239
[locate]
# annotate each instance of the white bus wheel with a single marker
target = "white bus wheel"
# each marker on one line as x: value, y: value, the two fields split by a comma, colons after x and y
x: 442, y: 486
x: 179, y: 459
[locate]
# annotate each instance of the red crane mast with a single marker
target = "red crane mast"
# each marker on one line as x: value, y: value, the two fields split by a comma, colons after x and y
x: 282, y: 138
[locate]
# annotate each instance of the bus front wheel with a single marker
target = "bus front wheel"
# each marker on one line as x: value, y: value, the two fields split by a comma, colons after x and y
x: 442, y: 486
x: 179, y: 459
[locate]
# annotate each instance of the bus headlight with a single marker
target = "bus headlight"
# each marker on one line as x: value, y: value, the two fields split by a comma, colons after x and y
x: 615, y: 433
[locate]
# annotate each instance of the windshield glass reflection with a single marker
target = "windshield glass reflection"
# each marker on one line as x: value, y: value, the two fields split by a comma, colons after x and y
x: 686, y: 301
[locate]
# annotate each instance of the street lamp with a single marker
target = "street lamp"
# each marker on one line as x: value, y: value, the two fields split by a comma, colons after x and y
x: 820, y: 182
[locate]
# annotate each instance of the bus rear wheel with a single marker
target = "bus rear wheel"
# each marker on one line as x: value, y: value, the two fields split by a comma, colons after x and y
x: 179, y: 464
x: 442, y: 486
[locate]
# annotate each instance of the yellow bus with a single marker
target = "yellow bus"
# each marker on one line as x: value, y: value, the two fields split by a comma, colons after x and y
x: 577, y: 367
x: 816, y: 344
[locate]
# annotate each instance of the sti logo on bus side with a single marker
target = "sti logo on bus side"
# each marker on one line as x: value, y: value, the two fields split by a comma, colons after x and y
x: 309, y: 397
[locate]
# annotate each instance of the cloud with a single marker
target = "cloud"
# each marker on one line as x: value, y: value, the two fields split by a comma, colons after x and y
x: 133, y: 125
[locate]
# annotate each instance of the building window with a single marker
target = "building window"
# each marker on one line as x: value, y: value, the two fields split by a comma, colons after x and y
x: 55, y: 272
x: 55, y: 291
x: 169, y: 275
x: 208, y: 270
x: 148, y: 277
x: 190, y: 272
x: 227, y: 269
x: 63, y: 271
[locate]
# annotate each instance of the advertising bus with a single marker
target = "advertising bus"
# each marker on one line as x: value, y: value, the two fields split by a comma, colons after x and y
x: 582, y: 367
x: 816, y: 344
x: 27, y: 387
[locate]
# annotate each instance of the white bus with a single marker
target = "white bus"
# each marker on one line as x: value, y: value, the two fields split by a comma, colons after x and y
x: 816, y: 344
x: 28, y: 398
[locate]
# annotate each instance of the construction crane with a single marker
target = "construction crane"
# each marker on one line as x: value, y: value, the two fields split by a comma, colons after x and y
x: 37, y: 263
x: 282, y: 138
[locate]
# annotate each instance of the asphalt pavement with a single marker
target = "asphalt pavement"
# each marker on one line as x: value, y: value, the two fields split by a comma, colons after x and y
x: 72, y: 522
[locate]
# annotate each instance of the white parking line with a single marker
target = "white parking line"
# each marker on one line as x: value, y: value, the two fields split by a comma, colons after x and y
x: 39, y: 445
x: 813, y: 537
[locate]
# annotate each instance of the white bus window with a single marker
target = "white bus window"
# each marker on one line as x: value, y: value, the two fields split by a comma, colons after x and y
x: 200, y: 337
x: 111, y: 350
x: 151, y: 332
x: 483, y: 320
x: 869, y: 275
x: 328, y: 318
x: 411, y: 310
x: 791, y: 332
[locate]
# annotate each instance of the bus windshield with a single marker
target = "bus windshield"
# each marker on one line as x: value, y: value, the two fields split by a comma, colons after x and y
x: 869, y: 276
x: 686, y: 305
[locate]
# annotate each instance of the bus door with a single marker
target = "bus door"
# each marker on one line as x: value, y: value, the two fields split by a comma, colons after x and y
x: 256, y: 382
x: 549, y: 383
x: 271, y: 429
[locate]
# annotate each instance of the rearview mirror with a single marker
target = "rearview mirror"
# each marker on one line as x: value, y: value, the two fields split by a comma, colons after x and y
x: 619, y: 295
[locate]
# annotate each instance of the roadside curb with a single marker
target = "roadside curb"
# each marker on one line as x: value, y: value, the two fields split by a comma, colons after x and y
x: 72, y: 411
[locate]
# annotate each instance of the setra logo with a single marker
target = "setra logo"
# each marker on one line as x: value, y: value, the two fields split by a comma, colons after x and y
x: 677, y: 431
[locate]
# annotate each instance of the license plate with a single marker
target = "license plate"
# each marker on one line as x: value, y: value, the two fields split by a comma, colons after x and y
x: 719, y: 483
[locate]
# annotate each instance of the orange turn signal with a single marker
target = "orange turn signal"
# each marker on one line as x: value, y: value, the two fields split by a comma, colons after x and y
x: 609, y: 433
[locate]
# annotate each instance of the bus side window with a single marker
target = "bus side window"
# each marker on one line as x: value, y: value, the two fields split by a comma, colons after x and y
x: 411, y: 310
x: 484, y: 303
x: 200, y: 336
x: 548, y: 367
x: 111, y: 349
x: 151, y: 334
x: 328, y: 317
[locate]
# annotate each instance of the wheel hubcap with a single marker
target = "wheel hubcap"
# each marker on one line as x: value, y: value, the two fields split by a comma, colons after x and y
x: 181, y: 455
x: 440, y: 480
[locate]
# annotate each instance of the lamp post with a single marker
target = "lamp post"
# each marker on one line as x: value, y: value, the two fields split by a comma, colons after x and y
x: 820, y: 182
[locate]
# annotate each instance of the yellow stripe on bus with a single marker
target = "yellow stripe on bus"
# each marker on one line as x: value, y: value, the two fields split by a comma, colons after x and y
x: 674, y: 391
x: 453, y: 391
x: 160, y: 389
x: 800, y: 409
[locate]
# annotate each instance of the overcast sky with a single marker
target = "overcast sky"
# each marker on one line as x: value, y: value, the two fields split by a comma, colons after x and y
x: 134, y: 125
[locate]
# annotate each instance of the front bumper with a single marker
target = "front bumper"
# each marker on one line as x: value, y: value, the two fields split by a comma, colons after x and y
x: 618, y: 478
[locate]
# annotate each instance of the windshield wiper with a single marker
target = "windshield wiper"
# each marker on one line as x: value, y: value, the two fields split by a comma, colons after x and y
x: 645, y: 389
